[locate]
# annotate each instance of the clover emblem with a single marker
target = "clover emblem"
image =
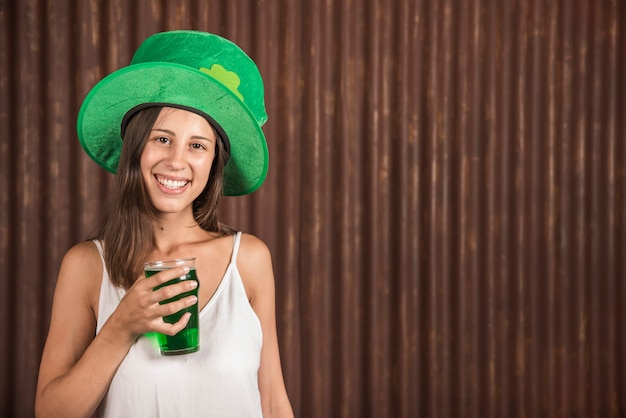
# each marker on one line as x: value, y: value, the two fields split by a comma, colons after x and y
x: 228, y: 78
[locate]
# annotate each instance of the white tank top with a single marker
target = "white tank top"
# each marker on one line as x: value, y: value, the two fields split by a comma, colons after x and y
x: 219, y: 380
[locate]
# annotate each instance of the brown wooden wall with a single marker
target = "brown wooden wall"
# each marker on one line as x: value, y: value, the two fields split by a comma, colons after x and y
x: 446, y: 201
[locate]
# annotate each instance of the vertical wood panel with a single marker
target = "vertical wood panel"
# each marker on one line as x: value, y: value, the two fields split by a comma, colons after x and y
x: 8, y: 186
x: 445, y: 204
x: 27, y: 210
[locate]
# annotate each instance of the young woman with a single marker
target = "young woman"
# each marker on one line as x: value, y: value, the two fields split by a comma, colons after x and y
x: 189, y: 109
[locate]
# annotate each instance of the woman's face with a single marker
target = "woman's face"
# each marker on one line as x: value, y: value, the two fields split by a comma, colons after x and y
x: 177, y: 158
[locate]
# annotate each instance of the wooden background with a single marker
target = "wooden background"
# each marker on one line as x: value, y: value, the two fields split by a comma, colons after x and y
x: 446, y: 200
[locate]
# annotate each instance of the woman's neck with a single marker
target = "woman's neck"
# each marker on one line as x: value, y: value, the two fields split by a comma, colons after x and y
x: 172, y: 233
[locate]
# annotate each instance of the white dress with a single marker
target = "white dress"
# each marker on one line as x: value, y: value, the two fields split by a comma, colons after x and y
x: 219, y: 380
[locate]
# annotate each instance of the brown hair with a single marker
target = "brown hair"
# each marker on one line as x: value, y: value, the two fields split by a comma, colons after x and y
x: 126, y: 227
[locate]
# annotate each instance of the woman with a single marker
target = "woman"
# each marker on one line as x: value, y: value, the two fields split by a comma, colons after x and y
x: 189, y: 109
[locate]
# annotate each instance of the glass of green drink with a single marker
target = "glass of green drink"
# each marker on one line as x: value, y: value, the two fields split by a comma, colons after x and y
x: 187, y: 340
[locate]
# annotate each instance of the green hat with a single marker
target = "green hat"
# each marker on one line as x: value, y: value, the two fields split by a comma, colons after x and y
x: 192, y: 70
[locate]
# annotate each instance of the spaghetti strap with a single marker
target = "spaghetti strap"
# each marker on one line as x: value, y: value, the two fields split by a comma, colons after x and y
x: 100, y: 249
x: 236, y: 247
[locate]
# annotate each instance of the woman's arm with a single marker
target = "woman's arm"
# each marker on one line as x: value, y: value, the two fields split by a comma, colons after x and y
x: 255, y: 264
x: 77, y: 365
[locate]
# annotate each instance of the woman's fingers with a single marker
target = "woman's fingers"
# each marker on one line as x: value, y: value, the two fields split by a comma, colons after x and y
x: 175, y: 306
x: 159, y: 291
x: 144, y: 307
x: 172, y: 290
x: 175, y: 328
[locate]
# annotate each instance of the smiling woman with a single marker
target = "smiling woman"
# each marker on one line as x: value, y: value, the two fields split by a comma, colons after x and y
x: 177, y: 159
x: 177, y: 143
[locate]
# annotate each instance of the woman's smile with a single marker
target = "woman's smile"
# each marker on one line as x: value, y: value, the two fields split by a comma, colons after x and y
x: 170, y: 184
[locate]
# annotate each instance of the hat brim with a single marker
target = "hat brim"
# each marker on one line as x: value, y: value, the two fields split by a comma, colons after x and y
x: 100, y: 117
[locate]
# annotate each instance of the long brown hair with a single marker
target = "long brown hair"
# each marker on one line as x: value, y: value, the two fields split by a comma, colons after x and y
x: 126, y: 227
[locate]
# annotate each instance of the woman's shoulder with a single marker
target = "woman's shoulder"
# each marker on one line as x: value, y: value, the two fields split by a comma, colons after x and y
x: 253, y: 249
x: 254, y: 263
x: 83, y: 254
x: 81, y: 272
x: 82, y: 265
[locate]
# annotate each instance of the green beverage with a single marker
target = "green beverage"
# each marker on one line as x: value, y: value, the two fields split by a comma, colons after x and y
x: 187, y: 340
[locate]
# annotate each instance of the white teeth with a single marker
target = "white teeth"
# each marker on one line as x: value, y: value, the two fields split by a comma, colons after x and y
x: 172, y: 184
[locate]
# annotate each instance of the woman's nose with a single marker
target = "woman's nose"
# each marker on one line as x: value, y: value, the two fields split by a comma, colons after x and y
x: 175, y: 159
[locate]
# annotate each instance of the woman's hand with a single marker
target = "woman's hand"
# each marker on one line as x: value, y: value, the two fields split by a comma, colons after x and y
x: 140, y: 311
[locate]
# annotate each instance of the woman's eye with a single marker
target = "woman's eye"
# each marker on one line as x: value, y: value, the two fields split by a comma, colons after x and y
x: 198, y: 146
x: 162, y: 139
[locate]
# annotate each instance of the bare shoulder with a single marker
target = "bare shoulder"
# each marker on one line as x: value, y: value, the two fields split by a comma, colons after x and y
x: 81, y: 271
x: 253, y: 250
x: 254, y: 262
x: 83, y: 253
x: 83, y: 258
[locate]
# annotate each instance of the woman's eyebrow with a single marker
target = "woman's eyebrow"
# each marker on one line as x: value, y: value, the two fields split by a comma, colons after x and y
x: 172, y: 133
x: 167, y: 131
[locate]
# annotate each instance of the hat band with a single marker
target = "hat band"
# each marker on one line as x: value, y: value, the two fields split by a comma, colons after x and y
x: 220, y: 132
